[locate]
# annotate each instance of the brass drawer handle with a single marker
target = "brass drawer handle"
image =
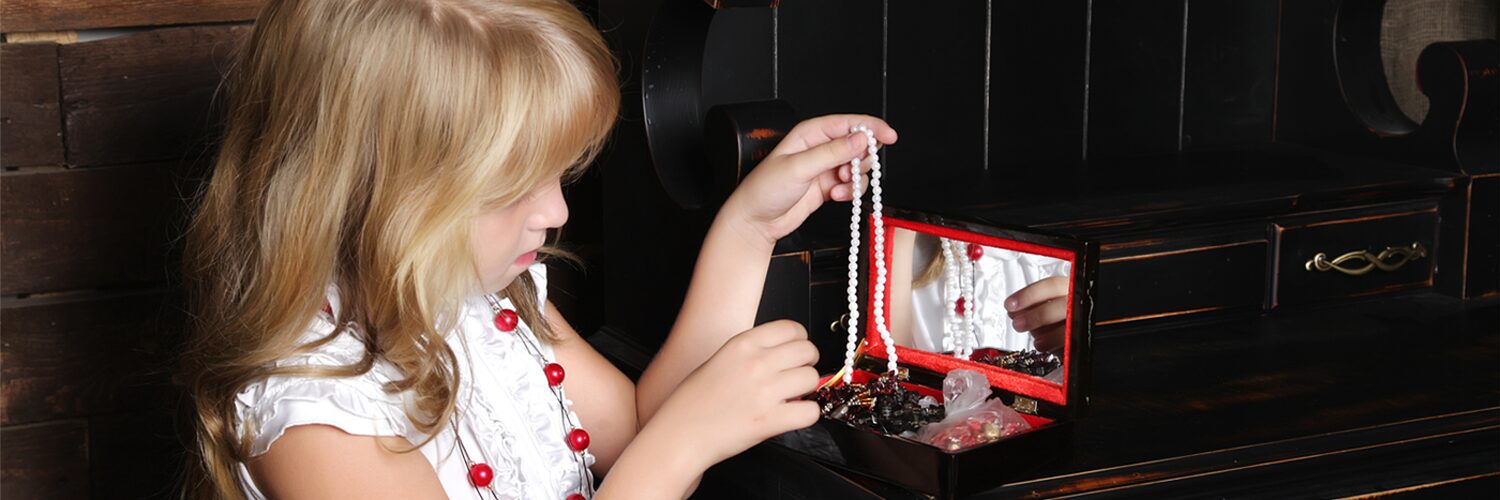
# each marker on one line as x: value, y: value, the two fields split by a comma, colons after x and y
x: 1390, y: 259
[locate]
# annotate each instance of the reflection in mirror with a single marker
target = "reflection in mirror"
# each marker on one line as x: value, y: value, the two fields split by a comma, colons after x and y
x: 949, y: 296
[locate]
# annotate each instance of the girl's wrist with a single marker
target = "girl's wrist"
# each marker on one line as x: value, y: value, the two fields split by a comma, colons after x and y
x: 738, y: 222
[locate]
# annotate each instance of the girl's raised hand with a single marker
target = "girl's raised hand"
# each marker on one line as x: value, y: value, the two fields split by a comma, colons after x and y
x: 809, y: 166
x: 1041, y: 308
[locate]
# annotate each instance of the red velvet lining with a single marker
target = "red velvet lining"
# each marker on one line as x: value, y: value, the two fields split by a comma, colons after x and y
x: 1016, y: 383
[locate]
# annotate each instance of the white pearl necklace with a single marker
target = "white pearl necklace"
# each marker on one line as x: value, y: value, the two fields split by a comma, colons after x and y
x: 959, y: 333
x: 878, y: 253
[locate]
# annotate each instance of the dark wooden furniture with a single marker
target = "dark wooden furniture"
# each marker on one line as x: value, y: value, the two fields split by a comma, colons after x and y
x: 1214, y: 150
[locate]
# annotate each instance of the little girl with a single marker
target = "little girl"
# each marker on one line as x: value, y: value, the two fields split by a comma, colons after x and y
x: 371, y: 314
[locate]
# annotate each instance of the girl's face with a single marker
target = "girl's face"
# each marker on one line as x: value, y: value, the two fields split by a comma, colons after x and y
x: 505, y: 239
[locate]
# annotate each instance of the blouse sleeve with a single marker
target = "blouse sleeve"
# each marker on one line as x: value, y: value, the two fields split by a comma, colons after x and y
x: 357, y: 405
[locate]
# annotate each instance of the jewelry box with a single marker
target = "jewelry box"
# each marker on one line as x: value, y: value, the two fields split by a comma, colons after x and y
x: 1049, y: 402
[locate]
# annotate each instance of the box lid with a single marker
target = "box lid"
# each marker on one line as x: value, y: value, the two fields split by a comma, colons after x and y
x: 928, y: 326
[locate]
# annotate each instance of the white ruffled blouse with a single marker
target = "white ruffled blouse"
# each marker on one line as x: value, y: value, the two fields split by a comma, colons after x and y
x: 1000, y: 273
x: 508, y: 415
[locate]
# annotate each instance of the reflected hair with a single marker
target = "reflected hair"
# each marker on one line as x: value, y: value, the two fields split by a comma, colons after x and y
x: 362, y: 139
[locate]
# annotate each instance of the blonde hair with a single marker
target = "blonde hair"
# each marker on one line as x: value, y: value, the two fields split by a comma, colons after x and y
x: 362, y: 139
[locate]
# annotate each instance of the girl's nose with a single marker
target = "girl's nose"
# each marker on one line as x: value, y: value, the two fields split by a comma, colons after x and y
x: 551, y: 207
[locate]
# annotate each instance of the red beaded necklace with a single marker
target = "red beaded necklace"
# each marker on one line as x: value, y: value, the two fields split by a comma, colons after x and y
x: 481, y: 475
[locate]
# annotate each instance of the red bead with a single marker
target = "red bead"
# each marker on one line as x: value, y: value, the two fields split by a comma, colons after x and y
x: 576, y: 496
x: 578, y: 440
x: 975, y: 251
x: 958, y: 306
x: 555, y: 374
x: 506, y: 320
x: 481, y: 475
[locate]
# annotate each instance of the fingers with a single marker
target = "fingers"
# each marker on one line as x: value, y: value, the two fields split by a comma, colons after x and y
x: 1047, y: 313
x: 824, y: 157
x: 1037, y: 293
x: 1048, y: 339
x: 795, y: 415
x: 822, y: 129
x: 794, y: 383
x: 775, y: 333
x: 794, y: 354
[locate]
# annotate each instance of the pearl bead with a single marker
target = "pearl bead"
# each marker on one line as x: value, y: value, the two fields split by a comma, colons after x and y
x: 506, y: 320
x: 481, y: 475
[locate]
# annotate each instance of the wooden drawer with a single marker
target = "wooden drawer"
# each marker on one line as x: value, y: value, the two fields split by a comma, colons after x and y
x: 1354, y: 253
x: 1182, y: 274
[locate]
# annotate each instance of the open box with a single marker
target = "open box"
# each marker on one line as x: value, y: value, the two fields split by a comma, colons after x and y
x: 1049, y: 401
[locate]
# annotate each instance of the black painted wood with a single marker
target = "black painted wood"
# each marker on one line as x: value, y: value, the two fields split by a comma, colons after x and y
x: 1229, y: 81
x: 1208, y: 275
x: 935, y: 96
x: 1482, y: 261
x: 1038, y: 88
x: 1135, y: 78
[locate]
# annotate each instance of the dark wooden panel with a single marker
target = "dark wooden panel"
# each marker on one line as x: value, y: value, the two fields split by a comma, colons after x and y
x: 45, y: 460
x: 82, y: 356
x: 935, y: 94
x: 30, y: 126
x: 829, y: 303
x: 1164, y: 278
x: 88, y: 228
x: 1135, y: 77
x: 135, y: 456
x: 1038, y: 70
x: 1230, y: 79
x: 145, y: 96
x: 737, y: 60
x: 1371, y: 230
x: 786, y: 289
x: 1483, y: 266
x: 825, y: 67
x: 60, y: 15
x: 1310, y: 106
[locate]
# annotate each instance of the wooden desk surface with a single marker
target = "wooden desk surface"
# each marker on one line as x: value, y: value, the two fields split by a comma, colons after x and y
x: 1392, y: 395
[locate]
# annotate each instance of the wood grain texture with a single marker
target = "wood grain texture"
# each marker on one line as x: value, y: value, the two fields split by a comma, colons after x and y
x: 87, y: 228
x: 45, y: 461
x: 144, y: 97
x: 85, y: 356
x: 54, y: 15
x: 30, y: 126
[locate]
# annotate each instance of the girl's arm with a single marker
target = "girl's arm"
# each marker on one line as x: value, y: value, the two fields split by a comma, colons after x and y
x: 321, y: 461
x: 602, y: 396
x: 806, y: 169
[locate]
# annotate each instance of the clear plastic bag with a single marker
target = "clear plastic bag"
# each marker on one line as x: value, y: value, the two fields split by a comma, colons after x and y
x: 972, y: 419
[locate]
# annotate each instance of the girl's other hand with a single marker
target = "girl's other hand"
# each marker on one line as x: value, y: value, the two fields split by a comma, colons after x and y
x: 746, y: 393
x: 1041, y: 308
x: 809, y: 166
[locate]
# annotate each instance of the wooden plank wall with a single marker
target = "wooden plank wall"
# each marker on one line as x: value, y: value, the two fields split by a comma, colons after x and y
x: 101, y: 141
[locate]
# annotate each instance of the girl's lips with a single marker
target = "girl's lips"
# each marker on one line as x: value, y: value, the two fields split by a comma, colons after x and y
x: 526, y: 259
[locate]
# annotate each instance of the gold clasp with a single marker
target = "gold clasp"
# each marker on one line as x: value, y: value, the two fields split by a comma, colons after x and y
x: 1390, y: 259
